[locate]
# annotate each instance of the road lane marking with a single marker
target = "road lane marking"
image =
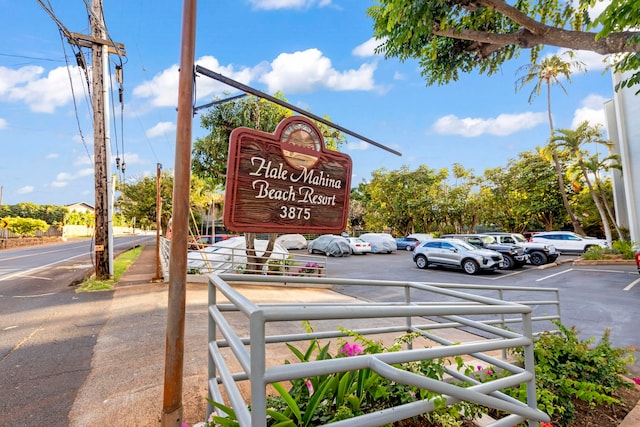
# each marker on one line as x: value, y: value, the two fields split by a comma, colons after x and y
x: 32, y: 270
x: 631, y: 285
x: 553, y: 275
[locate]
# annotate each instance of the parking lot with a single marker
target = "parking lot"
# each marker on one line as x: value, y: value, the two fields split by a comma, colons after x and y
x: 593, y: 298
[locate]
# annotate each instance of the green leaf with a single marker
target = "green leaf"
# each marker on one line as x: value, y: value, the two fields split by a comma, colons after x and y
x: 318, y: 397
x: 291, y: 403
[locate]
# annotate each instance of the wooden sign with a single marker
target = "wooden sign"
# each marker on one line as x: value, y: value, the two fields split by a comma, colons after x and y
x: 287, y: 181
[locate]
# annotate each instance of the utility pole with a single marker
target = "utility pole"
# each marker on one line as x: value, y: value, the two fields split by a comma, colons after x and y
x: 101, y: 47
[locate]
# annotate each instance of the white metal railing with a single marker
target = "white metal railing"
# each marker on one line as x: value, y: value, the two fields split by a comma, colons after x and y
x: 235, y: 260
x: 249, y: 350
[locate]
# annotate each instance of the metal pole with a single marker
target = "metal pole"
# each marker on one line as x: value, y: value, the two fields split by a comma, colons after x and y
x: 174, y: 352
x: 158, y: 276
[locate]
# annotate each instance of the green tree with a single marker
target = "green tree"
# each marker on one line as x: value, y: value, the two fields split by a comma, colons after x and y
x: 401, y: 200
x: 574, y: 141
x: 449, y: 37
x: 548, y: 72
x: 523, y: 195
x: 51, y: 214
x: 24, y: 226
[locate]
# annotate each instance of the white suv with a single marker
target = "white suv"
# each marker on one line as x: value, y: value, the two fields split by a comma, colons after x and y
x: 566, y: 241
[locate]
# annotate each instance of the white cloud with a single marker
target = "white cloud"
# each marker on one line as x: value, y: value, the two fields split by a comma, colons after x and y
x: 504, y: 124
x: 53, y: 155
x: 25, y: 190
x: 358, y: 145
x: 162, y: 89
x: 367, y: 48
x: 592, y: 61
x: 162, y: 128
x: 304, y: 71
x: 3, y: 124
x: 41, y: 94
x: 10, y: 78
x: 64, y: 178
x: 591, y: 110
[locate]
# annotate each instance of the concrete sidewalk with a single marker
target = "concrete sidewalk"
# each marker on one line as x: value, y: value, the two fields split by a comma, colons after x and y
x: 125, y: 386
x: 126, y: 382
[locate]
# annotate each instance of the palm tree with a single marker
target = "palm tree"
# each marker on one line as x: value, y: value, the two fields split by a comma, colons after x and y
x: 548, y: 72
x: 595, y: 165
x: 573, y: 141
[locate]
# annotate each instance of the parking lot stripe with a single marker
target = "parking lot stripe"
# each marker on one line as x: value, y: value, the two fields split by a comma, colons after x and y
x: 632, y: 284
x: 553, y: 275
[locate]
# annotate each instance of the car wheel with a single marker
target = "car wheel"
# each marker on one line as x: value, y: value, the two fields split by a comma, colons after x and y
x: 409, y: 248
x: 470, y: 266
x: 538, y: 258
x: 422, y: 262
x: 509, y: 263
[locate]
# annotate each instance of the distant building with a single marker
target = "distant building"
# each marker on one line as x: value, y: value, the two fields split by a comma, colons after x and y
x: 81, y: 207
x: 624, y: 131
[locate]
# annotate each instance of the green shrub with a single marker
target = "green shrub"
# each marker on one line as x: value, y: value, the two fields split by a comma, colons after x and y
x: 593, y: 253
x: 626, y: 248
x: 568, y: 368
x: 25, y: 226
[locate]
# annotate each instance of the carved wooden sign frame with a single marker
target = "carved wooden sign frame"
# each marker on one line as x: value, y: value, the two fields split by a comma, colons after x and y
x: 286, y: 182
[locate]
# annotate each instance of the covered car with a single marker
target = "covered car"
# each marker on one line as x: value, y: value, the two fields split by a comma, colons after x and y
x: 292, y: 241
x: 230, y: 255
x: 381, y: 243
x: 330, y: 245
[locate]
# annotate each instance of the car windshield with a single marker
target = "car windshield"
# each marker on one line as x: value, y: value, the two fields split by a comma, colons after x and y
x: 463, y: 245
x: 519, y: 238
x: 488, y: 239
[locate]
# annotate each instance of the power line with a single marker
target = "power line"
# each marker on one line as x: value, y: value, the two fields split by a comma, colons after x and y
x: 35, y: 58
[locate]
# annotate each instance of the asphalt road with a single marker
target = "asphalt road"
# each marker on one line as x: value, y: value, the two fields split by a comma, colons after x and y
x: 47, y: 330
x: 592, y: 298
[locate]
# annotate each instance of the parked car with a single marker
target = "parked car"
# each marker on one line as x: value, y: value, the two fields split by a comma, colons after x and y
x: 513, y: 255
x: 406, y: 243
x: 381, y: 243
x: 421, y: 236
x: 359, y: 246
x: 292, y: 241
x: 539, y: 253
x: 456, y: 253
x: 329, y: 245
x: 568, y: 242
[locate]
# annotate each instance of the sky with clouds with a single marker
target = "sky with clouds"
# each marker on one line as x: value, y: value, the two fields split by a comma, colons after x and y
x: 318, y: 53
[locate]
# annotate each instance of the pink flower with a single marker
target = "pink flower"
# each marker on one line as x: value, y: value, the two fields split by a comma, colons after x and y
x: 310, y: 387
x: 489, y: 372
x: 351, y: 349
x: 184, y: 424
x: 636, y: 380
x: 479, y: 367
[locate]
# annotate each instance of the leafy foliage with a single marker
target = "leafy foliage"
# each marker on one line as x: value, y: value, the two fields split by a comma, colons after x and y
x: 324, y: 399
x: 449, y: 37
x: 567, y: 367
x: 51, y: 214
x: 24, y: 226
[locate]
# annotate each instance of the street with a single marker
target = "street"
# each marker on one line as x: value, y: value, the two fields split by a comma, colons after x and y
x: 47, y: 330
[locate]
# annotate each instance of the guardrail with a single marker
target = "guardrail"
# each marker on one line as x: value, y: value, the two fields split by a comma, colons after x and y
x: 249, y: 349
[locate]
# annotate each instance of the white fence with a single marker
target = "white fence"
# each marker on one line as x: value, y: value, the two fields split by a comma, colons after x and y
x: 241, y: 357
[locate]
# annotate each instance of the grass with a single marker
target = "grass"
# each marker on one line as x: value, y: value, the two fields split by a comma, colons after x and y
x: 120, y: 265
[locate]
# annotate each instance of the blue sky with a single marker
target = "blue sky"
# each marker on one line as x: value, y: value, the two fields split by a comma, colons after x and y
x: 319, y: 53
